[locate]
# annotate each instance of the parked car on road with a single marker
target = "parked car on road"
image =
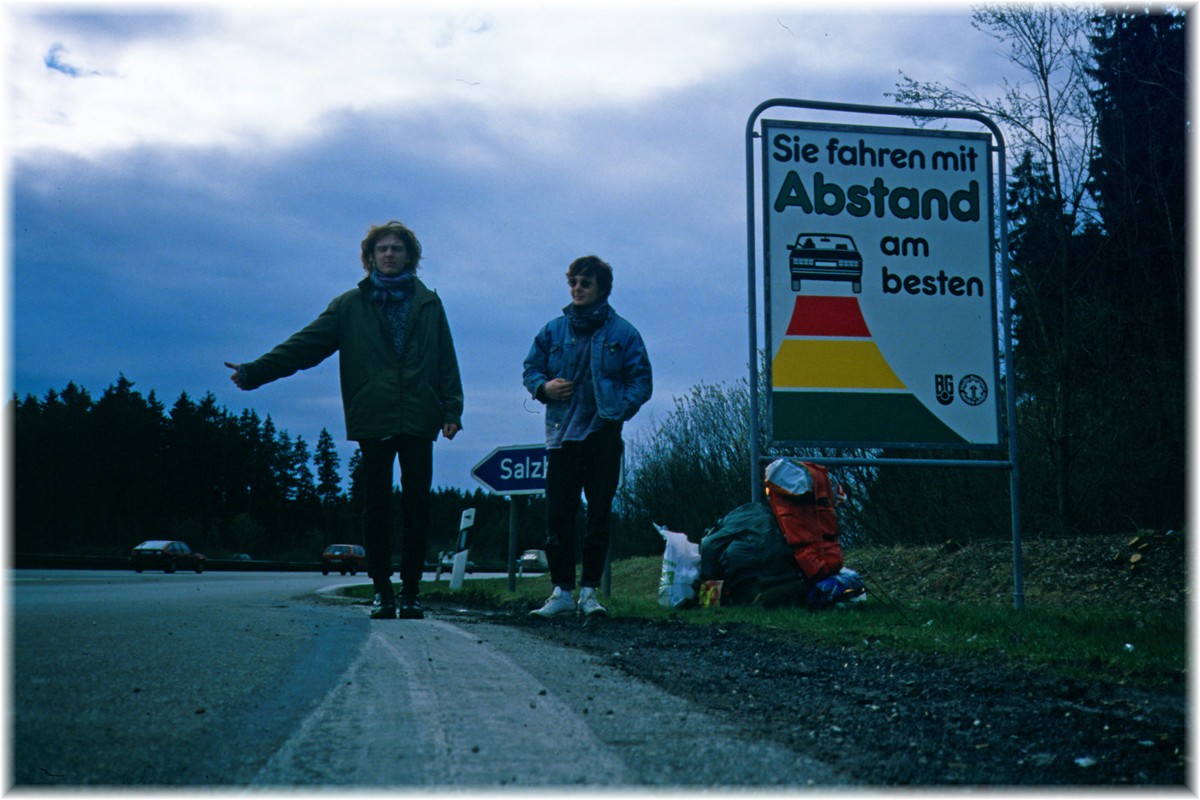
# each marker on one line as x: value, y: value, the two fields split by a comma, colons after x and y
x: 533, y: 561
x: 343, y: 558
x: 166, y: 555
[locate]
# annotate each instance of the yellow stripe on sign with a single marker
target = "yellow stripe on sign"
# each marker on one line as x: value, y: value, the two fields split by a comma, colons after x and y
x: 831, y: 364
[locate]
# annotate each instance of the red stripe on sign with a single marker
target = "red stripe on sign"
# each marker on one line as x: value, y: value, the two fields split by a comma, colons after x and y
x: 827, y: 316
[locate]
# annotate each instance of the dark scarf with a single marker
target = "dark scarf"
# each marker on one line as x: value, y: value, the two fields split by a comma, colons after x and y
x: 395, y: 294
x: 586, y: 321
x: 396, y: 287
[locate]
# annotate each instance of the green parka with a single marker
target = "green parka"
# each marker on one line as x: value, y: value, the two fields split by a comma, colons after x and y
x: 380, y: 396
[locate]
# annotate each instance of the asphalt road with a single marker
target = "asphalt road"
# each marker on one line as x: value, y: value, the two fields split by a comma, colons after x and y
x: 270, y: 680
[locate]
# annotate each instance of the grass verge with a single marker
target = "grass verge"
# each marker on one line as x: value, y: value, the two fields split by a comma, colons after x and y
x: 1146, y: 646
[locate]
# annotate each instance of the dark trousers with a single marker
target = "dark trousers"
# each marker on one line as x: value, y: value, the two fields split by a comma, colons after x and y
x: 592, y: 467
x: 416, y: 475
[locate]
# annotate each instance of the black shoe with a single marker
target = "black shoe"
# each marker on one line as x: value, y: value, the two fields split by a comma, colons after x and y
x: 383, y: 608
x: 410, y: 608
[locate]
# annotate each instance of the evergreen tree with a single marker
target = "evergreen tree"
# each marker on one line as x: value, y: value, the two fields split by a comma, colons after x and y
x: 1139, y: 183
x: 96, y: 477
x: 1139, y: 165
x: 1045, y: 292
x: 129, y: 433
x: 52, y: 477
x: 329, y: 479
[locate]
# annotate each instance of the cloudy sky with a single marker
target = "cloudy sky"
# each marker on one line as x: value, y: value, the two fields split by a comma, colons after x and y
x: 190, y: 184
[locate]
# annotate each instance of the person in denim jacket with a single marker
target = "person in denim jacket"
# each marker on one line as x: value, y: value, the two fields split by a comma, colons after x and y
x: 591, y: 370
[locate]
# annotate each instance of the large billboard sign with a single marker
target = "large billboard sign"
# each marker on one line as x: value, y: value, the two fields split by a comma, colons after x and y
x: 881, y: 289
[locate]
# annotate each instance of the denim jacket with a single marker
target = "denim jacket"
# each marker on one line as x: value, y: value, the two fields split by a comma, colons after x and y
x: 621, y: 372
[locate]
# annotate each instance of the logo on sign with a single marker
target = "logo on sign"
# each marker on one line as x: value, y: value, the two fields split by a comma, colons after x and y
x: 973, y: 390
x: 943, y: 387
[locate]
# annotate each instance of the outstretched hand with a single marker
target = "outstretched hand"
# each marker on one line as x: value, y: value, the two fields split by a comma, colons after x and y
x: 237, y: 370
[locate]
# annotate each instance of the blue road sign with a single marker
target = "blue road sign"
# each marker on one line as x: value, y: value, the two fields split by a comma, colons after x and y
x: 513, y: 469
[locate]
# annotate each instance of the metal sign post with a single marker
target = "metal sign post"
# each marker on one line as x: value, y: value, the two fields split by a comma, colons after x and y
x: 882, y: 291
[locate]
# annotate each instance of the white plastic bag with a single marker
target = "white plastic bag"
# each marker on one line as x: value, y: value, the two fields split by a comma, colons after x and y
x: 789, y: 477
x: 680, y: 570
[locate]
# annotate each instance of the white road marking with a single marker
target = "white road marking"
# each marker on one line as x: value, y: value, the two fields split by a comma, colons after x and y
x: 428, y: 704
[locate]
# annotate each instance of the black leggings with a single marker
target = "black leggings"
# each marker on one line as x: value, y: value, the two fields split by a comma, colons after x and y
x: 592, y: 466
x: 416, y: 475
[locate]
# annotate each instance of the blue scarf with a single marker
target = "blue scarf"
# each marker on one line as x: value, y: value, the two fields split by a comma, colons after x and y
x: 394, y: 287
x: 395, y: 294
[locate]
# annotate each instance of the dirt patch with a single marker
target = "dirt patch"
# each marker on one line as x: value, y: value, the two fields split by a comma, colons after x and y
x: 890, y: 719
x: 1141, y: 570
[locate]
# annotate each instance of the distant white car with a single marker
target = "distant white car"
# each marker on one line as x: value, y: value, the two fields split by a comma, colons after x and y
x: 446, y: 562
x: 533, y: 560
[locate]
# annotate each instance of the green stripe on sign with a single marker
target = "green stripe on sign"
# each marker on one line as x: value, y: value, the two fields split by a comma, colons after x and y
x: 857, y: 417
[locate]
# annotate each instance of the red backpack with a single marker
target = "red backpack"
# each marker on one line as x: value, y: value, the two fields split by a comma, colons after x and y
x: 802, y: 499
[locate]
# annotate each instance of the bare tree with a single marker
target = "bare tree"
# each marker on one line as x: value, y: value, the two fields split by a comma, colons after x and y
x: 1049, y: 111
x: 692, y: 467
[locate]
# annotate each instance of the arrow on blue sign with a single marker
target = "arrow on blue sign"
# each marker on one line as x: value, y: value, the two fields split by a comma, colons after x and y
x: 513, y: 469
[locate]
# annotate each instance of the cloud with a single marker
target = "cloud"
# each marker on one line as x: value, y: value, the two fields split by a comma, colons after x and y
x: 250, y: 79
x: 115, y: 24
x: 245, y: 78
x: 53, y: 60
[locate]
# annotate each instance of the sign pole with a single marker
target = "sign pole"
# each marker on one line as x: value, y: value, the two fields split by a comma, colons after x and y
x: 756, y: 489
x: 512, y: 543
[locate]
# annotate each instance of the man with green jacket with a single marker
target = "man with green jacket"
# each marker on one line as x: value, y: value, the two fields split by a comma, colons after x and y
x: 400, y: 389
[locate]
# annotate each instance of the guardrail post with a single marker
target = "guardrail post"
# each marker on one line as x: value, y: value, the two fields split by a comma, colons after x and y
x: 460, y: 557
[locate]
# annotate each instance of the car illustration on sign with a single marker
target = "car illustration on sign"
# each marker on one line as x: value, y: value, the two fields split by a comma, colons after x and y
x: 825, y: 257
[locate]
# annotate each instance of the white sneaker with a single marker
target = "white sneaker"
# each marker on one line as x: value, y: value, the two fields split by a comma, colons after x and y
x: 588, y: 604
x: 559, y: 603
